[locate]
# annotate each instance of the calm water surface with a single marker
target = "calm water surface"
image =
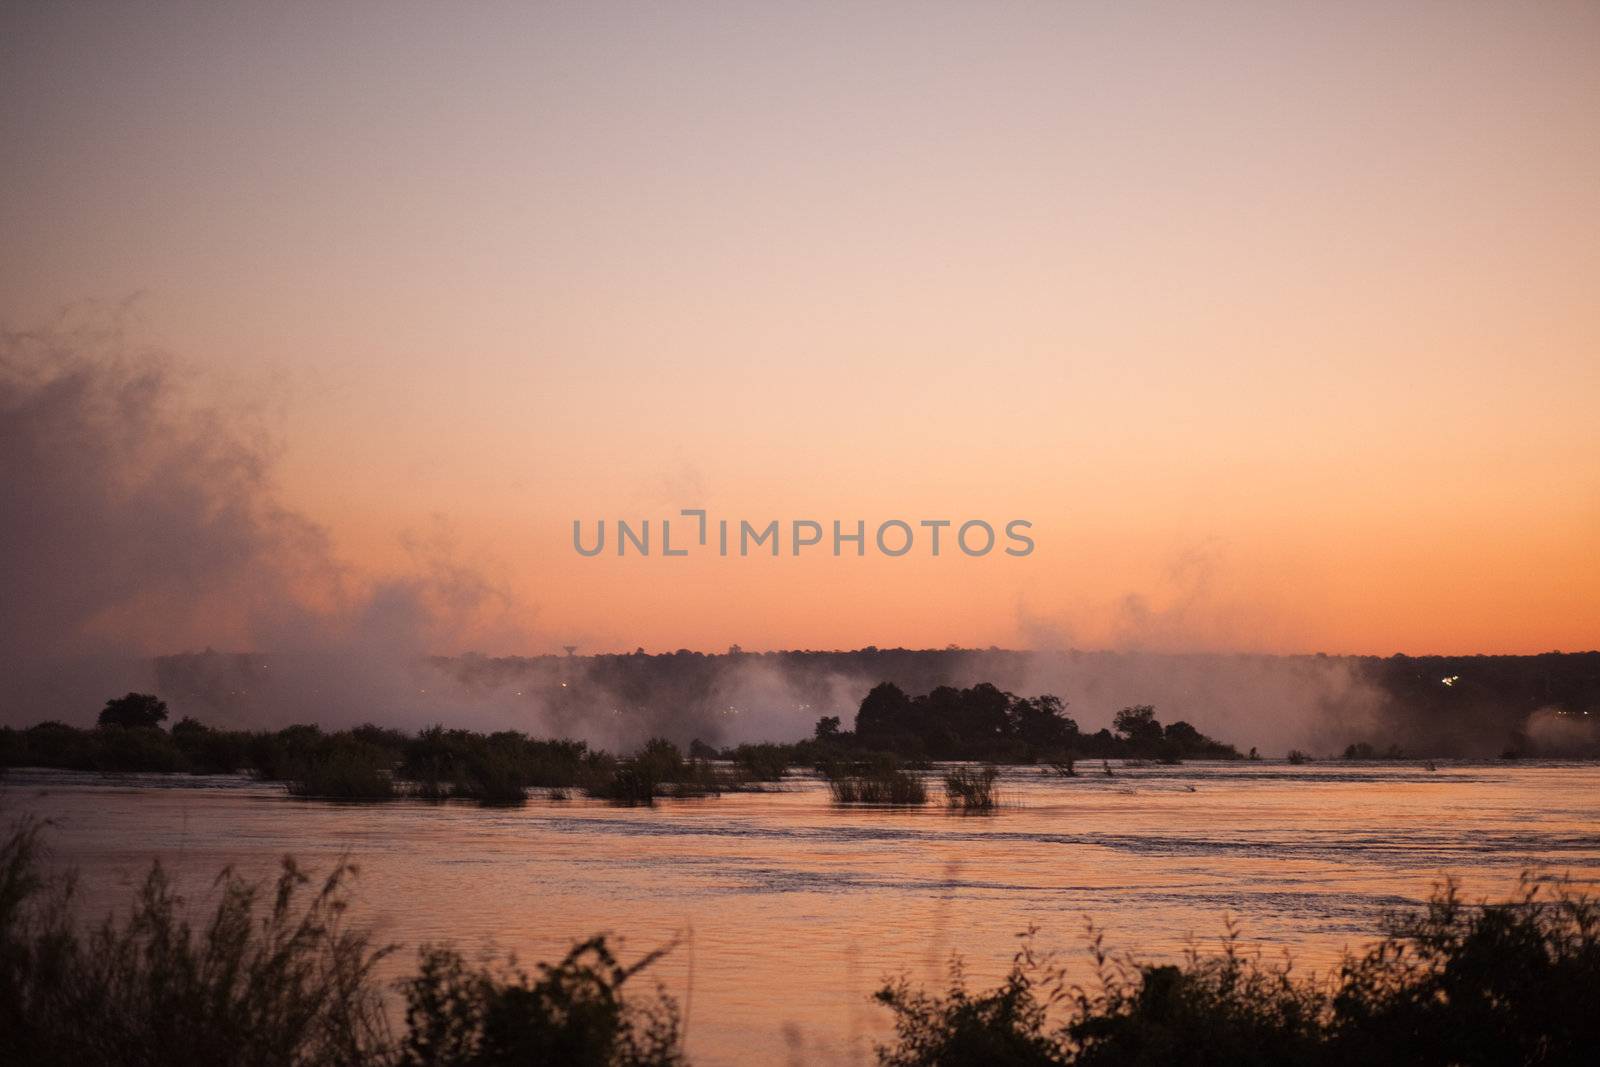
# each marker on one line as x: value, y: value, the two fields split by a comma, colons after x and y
x: 791, y: 910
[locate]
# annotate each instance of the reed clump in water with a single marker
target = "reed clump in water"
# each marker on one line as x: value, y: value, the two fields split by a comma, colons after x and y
x: 878, y: 782
x: 1066, y: 767
x: 972, y: 790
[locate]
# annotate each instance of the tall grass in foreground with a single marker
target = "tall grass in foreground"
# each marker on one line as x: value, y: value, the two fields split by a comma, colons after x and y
x: 972, y: 790
x: 276, y: 977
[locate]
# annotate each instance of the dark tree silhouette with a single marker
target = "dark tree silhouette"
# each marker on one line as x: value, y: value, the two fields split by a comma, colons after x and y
x: 885, y: 712
x: 135, y: 709
x: 1183, y: 734
x: 1138, y: 724
x: 981, y: 722
x: 1041, y: 722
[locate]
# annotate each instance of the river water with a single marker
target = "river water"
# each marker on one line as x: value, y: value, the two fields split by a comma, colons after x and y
x: 790, y: 911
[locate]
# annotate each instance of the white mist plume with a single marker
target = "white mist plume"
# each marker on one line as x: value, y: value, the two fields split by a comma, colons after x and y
x: 1159, y: 646
x: 140, y: 519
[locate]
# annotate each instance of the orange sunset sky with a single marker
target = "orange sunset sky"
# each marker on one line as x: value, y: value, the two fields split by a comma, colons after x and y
x: 1280, y: 322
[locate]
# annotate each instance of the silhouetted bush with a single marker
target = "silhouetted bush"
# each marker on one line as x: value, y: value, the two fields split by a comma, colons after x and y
x: 276, y: 978
x: 574, y: 1012
x: 701, y: 778
x: 660, y: 760
x: 209, y: 751
x: 495, y: 769
x: 496, y: 780
x: 54, y: 744
x: 280, y: 982
x: 659, y: 769
x: 286, y: 754
x: 13, y: 747
x: 1460, y: 983
x: 135, y: 748
x: 345, y: 769
x: 1507, y: 983
x: 629, y: 783
x: 764, y: 762
x: 1365, y: 750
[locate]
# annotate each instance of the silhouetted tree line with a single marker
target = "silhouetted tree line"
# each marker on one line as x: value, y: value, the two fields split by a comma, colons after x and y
x: 680, y: 694
x: 1477, y: 706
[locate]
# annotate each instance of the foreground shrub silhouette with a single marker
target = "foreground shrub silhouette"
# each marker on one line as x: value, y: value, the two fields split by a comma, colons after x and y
x: 573, y: 1013
x: 277, y: 982
x: 276, y: 977
x: 1488, y: 984
x: 1510, y: 982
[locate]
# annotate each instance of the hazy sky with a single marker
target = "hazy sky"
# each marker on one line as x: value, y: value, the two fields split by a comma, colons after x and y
x: 1280, y: 322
